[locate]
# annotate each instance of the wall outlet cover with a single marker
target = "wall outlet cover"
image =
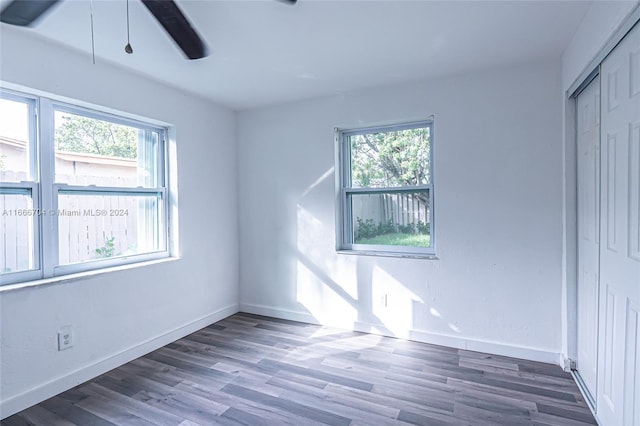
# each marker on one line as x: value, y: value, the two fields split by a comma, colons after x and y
x: 65, y: 337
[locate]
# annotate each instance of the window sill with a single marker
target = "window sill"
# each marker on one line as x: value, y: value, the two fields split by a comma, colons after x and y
x: 82, y: 275
x: 389, y: 254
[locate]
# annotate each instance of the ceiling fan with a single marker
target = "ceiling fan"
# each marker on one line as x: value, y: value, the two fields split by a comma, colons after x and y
x: 166, y: 12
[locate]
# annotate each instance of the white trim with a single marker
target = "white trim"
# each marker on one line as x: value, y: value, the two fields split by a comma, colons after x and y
x: 584, y: 393
x: 570, y: 232
x: 388, y: 189
x: 171, y: 181
x: 570, y: 239
x: 616, y: 37
x: 408, y: 255
x: 339, y: 203
x: 99, y: 114
x: 82, y: 275
x: 45, y: 192
x: 497, y: 348
x: 49, y: 223
x: 345, y: 191
x: 358, y: 129
x: 107, y: 263
x: 287, y: 314
x: 469, y: 344
x: 46, y: 390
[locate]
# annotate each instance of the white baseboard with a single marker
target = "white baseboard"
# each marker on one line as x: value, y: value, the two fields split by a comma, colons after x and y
x: 37, y: 394
x: 496, y: 348
x: 44, y: 391
x: 268, y: 311
x: 457, y: 342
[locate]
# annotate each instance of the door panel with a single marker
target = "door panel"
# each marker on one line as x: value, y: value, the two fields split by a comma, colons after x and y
x: 618, y: 394
x: 634, y: 190
x: 588, y: 125
x: 632, y: 392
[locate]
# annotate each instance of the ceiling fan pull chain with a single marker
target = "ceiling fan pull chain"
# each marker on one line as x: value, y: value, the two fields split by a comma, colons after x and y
x: 93, y: 46
x: 128, y: 47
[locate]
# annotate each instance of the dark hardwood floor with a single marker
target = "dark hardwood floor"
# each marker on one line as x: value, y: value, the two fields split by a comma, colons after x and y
x: 254, y: 370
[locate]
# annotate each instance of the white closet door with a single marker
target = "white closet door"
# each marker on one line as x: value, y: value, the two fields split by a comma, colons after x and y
x: 588, y: 111
x: 618, y: 401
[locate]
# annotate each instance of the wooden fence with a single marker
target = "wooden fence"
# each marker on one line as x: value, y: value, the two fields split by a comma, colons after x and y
x: 85, y: 223
x: 401, y: 209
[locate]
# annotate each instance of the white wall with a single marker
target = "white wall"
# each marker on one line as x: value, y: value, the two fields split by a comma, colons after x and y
x: 498, y: 174
x: 118, y: 316
x: 598, y: 25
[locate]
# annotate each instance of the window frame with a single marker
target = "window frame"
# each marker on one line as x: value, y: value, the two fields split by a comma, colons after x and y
x: 31, y: 186
x: 46, y: 191
x: 345, y: 191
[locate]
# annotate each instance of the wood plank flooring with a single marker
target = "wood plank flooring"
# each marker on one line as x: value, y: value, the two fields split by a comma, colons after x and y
x: 254, y: 370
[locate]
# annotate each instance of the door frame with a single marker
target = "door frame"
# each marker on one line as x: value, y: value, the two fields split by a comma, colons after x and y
x: 590, y: 395
x: 570, y: 201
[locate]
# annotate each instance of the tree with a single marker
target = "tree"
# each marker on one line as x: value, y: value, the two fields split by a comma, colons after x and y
x: 389, y: 159
x: 91, y: 136
x: 400, y: 158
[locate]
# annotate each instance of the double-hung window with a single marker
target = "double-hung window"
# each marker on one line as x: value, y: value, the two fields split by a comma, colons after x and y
x: 80, y: 189
x: 20, y: 229
x: 385, y: 189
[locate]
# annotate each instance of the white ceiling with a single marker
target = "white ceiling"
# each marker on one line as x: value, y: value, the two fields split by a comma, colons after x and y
x: 266, y: 52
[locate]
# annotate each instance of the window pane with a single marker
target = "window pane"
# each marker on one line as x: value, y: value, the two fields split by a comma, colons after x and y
x: 15, y: 148
x: 97, y: 152
x: 394, y: 219
x: 391, y: 159
x: 17, y: 231
x: 92, y: 227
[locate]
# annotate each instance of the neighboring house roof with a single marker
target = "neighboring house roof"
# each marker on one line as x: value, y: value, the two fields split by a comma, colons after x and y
x: 76, y: 156
x: 15, y: 143
x: 96, y: 159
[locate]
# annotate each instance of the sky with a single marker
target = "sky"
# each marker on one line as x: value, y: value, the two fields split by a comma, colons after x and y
x: 14, y: 120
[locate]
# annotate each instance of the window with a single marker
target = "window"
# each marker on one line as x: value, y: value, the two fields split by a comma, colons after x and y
x: 385, y: 189
x: 79, y: 189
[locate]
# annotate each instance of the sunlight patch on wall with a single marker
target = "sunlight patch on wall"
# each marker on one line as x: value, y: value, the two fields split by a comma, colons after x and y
x: 325, y: 175
x: 392, y: 302
x: 326, y: 305
x: 314, y: 242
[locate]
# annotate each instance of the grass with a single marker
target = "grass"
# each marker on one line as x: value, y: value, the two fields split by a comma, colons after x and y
x: 410, y: 240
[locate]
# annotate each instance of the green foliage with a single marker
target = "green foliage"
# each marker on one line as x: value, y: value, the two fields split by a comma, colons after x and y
x: 3, y: 158
x: 108, y: 250
x: 398, y: 239
x: 91, y: 136
x: 423, y: 228
x: 390, y: 159
x: 406, y: 229
x: 366, y: 228
x: 387, y: 227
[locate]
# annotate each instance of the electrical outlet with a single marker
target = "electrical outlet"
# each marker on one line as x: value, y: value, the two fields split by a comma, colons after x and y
x: 65, y: 337
x: 384, y: 300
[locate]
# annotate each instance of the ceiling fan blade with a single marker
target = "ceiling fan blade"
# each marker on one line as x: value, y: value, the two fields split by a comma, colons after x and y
x: 289, y: 1
x: 178, y: 27
x: 25, y: 12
